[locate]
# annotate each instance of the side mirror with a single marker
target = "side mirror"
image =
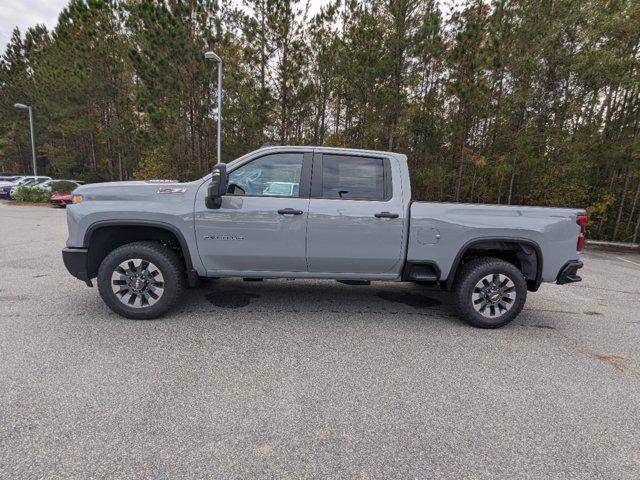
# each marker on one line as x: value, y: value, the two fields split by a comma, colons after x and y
x: 217, y: 187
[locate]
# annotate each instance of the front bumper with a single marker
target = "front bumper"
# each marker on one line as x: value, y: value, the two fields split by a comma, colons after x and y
x: 568, y: 273
x: 75, y: 259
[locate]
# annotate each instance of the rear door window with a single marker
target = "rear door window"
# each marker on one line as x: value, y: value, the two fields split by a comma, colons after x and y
x: 353, y: 177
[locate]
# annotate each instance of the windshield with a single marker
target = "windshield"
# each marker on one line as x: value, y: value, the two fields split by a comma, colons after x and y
x: 62, y: 185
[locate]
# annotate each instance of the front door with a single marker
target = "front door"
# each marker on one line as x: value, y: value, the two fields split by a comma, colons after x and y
x: 356, y: 221
x: 261, y: 225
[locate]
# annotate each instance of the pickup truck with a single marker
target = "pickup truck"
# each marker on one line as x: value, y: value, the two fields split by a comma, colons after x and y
x: 313, y: 212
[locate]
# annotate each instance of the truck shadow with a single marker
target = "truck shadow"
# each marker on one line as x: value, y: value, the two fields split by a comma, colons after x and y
x: 327, y: 297
x: 230, y: 298
x: 410, y: 299
x: 318, y: 295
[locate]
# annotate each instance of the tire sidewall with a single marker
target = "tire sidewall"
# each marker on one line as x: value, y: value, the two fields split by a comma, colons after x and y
x: 127, y: 252
x: 466, y: 285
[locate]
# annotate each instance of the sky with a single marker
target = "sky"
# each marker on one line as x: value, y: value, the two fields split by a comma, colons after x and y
x: 27, y: 13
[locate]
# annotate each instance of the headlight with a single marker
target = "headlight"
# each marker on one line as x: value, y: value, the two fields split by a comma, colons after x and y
x: 78, y: 198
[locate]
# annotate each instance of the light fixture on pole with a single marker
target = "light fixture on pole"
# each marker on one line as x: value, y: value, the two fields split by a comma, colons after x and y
x: 22, y: 106
x: 218, y: 111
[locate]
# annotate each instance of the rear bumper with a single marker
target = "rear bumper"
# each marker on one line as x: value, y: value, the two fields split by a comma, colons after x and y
x: 75, y: 259
x: 568, y: 273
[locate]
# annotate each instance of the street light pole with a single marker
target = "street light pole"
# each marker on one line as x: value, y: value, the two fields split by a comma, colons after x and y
x: 33, y: 137
x: 218, y: 111
x: 33, y: 143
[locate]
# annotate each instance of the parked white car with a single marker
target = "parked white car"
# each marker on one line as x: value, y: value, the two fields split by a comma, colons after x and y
x: 5, y: 187
x: 9, y: 178
x: 57, y: 185
x: 49, y: 185
x: 22, y: 179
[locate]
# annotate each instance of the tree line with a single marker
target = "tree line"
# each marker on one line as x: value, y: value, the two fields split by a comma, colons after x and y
x: 533, y: 102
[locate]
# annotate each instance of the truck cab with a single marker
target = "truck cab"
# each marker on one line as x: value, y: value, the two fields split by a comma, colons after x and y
x: 305, y: 212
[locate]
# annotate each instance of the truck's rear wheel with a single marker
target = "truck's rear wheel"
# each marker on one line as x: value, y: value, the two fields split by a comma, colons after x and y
x: 141, y: 280
x: 489, y: 292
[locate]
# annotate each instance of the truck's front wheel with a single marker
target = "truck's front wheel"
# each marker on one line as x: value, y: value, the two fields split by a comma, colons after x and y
x: 141, y: 280
x: 489, y: 292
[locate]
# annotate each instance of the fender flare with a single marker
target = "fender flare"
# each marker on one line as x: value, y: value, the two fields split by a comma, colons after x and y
x: 524, y: 241
x: 142, y: 223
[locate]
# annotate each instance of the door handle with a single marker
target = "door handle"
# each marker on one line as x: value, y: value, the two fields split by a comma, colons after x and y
x: 386, y: 215
x: 289, y: 211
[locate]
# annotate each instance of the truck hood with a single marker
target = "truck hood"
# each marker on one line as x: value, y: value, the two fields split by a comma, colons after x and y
x: 135, y: 190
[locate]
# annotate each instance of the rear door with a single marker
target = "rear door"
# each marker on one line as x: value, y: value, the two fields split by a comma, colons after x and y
x: 261, y: 225
x: 356, y: 219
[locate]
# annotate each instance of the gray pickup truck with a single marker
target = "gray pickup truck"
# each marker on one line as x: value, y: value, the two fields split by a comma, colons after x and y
x: 314, y: 212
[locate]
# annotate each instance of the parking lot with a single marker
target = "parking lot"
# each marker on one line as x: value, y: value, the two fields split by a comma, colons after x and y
x: 302, y: 379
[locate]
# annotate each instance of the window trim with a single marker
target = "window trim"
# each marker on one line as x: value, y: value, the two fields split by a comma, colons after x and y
x: 317, y: 179
x: 304, y: 188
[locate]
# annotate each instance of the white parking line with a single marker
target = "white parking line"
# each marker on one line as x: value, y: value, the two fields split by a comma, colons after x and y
x: 628, y: 261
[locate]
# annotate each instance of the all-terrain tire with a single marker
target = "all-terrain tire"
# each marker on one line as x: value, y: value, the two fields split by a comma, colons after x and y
x: 168, y: 267
x: 473, y: 289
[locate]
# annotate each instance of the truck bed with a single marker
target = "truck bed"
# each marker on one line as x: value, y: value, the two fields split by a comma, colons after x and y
x: 441, y: 232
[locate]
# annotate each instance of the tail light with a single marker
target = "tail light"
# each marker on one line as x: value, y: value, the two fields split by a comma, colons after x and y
x: 582, y: 221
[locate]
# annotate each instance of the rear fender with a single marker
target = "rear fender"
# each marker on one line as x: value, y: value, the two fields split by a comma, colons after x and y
x: 527, y: 246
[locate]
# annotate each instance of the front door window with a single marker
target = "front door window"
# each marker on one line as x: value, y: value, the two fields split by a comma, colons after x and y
x: 275, y: 175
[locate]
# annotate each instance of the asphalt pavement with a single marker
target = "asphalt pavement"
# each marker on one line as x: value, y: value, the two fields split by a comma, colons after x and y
x: 311, y: 379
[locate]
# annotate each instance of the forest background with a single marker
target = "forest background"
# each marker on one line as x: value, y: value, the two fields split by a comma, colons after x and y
x: 531, y: 102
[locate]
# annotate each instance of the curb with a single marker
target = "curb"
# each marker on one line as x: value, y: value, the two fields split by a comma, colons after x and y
x: 612, y: 246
